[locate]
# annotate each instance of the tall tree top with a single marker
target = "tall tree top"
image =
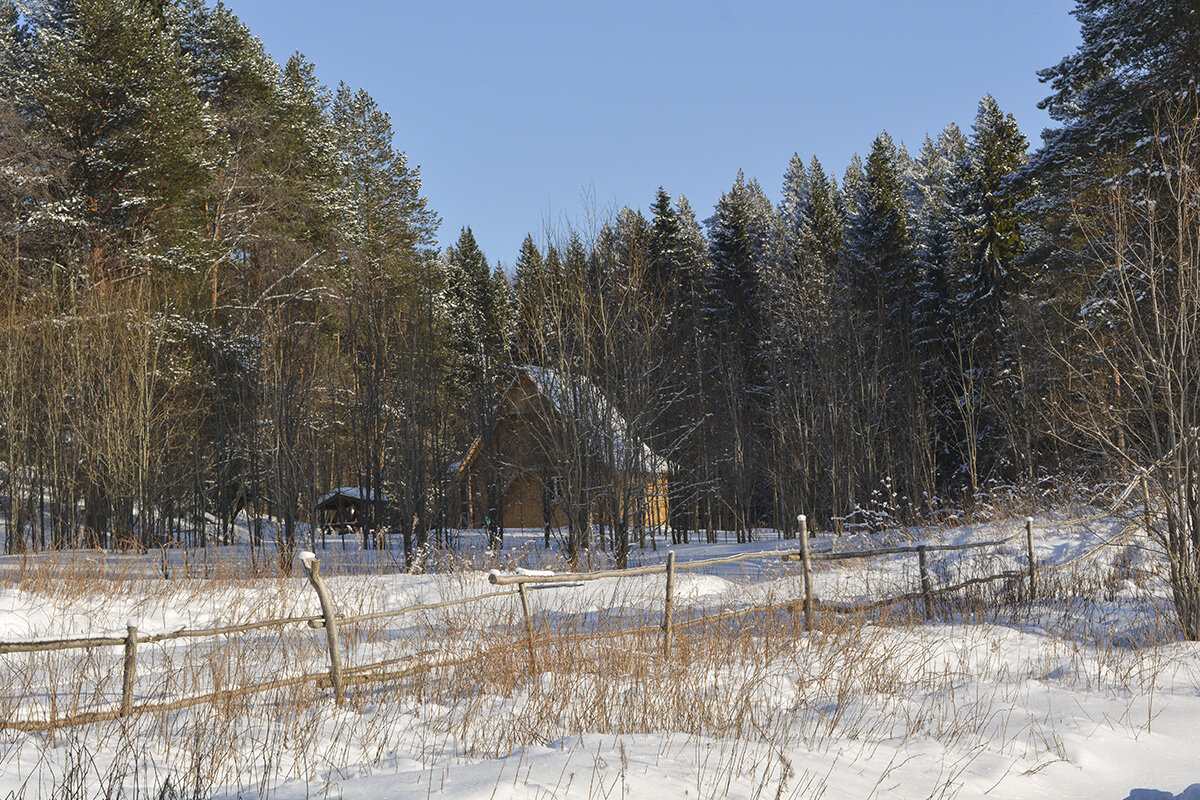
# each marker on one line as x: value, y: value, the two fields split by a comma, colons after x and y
x: 794, y: 196
x: 1137, y: 58
x: 383, y: 191
x: 110, y: 81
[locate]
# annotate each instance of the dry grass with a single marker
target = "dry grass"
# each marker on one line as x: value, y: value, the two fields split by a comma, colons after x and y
x: 758, y: 684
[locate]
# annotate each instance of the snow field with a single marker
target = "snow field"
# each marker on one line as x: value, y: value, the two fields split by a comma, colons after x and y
x: 1085, y: 690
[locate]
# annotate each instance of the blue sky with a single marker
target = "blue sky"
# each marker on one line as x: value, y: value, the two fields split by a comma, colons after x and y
x: 526, y: 115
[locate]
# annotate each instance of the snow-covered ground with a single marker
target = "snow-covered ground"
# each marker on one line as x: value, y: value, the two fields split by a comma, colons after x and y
x: 1086, y: 693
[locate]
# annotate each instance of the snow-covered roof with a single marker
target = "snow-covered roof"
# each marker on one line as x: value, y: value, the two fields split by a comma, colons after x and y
x: 352, y: 493
x: 577, y: 396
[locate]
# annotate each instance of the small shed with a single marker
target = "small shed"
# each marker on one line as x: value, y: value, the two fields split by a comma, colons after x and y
x: 343, y: 510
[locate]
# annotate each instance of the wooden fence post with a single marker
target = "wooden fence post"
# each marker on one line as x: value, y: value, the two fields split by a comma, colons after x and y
x: 130, y: 671
x: 926, y: 587
x: 1032, y: 559
x: 668, y: 609
x: 528, y: 625
x: 312, y: 566
x: 808, y: 574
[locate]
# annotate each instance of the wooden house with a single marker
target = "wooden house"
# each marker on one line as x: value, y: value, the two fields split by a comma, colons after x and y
x: 546, y: 432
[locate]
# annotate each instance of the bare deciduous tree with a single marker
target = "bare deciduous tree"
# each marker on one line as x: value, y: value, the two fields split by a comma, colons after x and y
x: 1138, y: 377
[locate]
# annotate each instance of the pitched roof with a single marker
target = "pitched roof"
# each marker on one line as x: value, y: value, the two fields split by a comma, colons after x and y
x: 351, y: 493
x: 577, y: 397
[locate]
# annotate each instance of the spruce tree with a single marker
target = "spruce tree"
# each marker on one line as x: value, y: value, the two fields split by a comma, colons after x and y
x: 793, y: 206
x: 938, y: 327
x: 997, y: 152
x: 478, y: 305
x: 740, y: 246
x: 879, y: 247
x: 529, y: 287
x: 879, y: 281
x: 666, y: 255
x: 821, y: 227
x: 994, y: 286
x: 853, y: 180
x: 476, y: 314
x: 744, y: 236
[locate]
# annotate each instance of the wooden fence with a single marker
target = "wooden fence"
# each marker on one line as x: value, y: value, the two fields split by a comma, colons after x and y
x: 338, y: 677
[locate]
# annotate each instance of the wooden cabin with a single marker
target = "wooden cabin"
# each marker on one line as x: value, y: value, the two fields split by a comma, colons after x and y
x: 343, y: 510
x: 530, y: 444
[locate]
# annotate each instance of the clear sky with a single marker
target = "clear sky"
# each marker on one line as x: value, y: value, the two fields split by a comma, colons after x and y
x: 523, y: 114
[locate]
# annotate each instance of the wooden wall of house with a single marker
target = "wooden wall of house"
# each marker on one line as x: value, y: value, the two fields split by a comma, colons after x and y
x: 657, y: 506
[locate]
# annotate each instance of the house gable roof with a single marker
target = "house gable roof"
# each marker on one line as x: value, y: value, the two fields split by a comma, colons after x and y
x: 577, y: 397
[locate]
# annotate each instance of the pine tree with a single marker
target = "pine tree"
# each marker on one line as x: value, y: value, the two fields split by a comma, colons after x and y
x: 1138, y: 60
x: 386, y: 235
x: 110, y: 82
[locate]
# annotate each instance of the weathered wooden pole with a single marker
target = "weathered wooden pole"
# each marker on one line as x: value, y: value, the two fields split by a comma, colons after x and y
x: 130, y: 671
x: 1148, y: 520
x: 669, y: 607
x: 312, y: 566
x: 802, y: 531
x: 533, y: 666
x: 926, y: 586
x: 1032, y: 559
